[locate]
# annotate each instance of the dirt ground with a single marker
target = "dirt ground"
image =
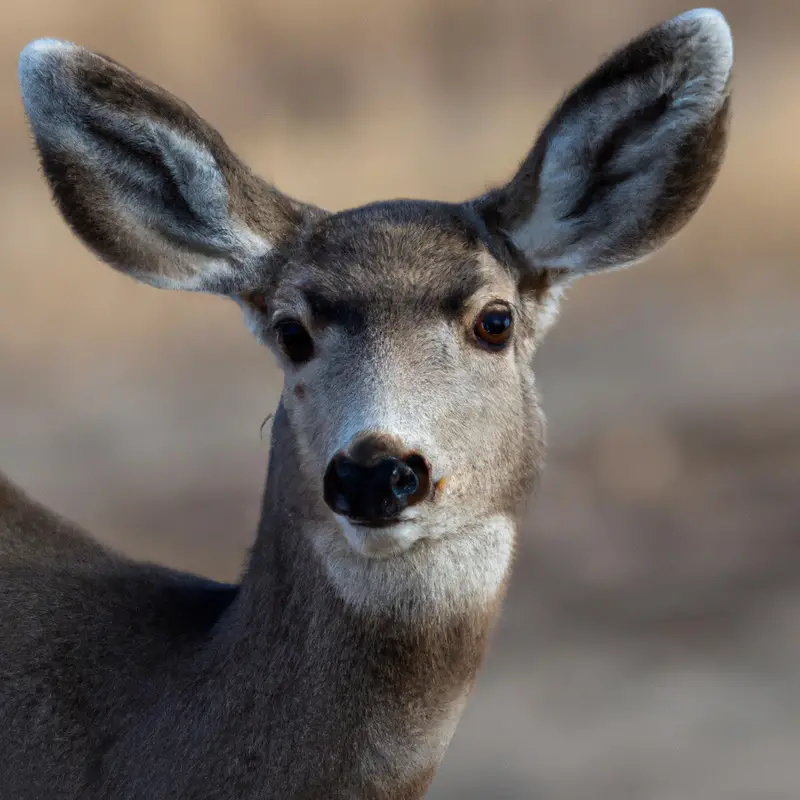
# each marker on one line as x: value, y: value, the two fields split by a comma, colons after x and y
x: 650, y: 645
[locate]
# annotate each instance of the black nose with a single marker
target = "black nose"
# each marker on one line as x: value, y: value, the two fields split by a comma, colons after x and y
x: 372, y: 486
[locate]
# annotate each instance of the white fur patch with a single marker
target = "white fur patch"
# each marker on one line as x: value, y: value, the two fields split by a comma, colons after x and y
x: 713, y: 35
x: 379, y: 542
x: 461, y: 570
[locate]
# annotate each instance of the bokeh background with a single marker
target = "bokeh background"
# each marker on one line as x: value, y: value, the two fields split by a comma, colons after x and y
x: 650, y: 646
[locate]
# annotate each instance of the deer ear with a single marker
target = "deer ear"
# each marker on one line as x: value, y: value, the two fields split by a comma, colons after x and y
x: 628, y: 156
x: 146, y: 183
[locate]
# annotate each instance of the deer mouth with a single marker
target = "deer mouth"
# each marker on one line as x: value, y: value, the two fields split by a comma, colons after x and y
x: 378, y: 523
x: 380, y: 538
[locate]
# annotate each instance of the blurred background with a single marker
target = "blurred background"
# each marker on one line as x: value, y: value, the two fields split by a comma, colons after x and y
x: 650, y: 645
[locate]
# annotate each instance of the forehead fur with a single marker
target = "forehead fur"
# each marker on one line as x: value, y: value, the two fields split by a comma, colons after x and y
x: 437, y: 254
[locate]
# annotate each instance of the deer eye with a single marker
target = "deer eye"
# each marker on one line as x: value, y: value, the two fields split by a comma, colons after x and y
x: 295, y: 340
x: 494, y: 326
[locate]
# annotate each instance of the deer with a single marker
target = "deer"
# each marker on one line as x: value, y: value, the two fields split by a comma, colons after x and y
x: 405, y: 447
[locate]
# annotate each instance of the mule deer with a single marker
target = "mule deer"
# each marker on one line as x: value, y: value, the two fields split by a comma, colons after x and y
x: 407, y: 437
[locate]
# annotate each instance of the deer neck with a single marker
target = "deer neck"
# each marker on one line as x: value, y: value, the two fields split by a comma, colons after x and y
x: 374, y: 689
x: 415, y: 658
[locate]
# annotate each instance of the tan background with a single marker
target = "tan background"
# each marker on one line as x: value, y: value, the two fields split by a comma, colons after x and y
x: 650, y: 648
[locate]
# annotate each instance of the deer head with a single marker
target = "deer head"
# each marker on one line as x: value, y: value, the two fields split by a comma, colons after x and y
x: 406, y: 330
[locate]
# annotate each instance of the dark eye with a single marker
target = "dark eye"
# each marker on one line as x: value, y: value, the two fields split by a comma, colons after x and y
x: 295, y: 341
x: 493, y: 327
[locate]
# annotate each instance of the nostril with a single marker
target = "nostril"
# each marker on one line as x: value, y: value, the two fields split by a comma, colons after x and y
x: 340, y: 504
x: 404, y: 481
x: 345, y: 469
x: 335, y: 485
x: 420, y: 468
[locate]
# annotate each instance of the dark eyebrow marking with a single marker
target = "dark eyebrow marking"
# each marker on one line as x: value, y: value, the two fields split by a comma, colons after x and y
x: 335, y: 312
x: 462, y: 290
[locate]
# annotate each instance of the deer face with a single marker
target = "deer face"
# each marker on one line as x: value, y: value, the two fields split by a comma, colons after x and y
x: 405, y: 329
x: 406, y: 334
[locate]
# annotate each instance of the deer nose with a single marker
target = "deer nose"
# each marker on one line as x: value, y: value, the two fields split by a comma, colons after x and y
x: 372, y: 486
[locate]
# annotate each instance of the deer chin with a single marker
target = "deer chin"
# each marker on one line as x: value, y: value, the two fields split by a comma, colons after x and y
x: 381, y: 541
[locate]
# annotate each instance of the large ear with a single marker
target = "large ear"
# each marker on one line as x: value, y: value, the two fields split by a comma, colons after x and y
x: 628, y: 156
x: 146, y: 184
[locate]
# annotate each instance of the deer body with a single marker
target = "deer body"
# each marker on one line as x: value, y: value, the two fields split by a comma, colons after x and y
x: 407, y: 438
